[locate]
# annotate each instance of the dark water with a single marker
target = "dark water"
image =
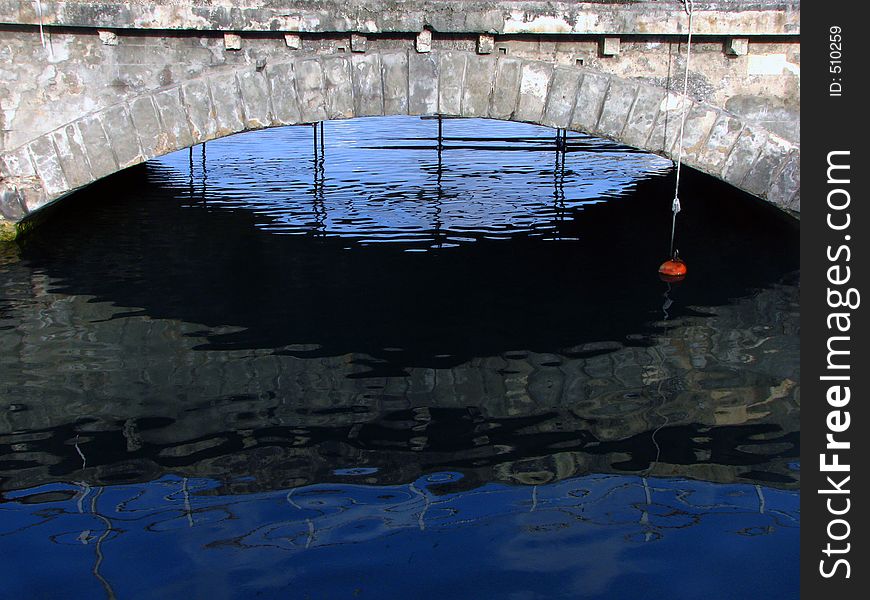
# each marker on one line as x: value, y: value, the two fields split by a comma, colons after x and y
x: 390, y: 372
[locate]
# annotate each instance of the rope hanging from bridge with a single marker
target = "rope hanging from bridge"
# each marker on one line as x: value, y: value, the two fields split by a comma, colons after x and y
x: 675, y: 269
x: 42, y: 31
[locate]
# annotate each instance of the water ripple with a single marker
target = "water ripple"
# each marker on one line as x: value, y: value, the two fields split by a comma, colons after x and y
x: 386, y: 177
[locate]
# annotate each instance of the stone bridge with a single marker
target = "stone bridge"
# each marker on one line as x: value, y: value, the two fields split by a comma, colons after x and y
x: 90, y: 88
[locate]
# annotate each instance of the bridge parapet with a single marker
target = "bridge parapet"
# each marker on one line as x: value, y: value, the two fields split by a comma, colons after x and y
x: 616, y: 17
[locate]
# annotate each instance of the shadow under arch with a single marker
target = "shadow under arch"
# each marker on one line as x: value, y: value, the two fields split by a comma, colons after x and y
x: 216, y: 268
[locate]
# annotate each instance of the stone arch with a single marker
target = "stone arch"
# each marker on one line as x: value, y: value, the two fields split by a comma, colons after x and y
x: 312, y: 88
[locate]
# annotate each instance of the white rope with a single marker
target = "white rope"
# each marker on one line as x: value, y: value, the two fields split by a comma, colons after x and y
x: 675, y: 206
x: 41, y: 31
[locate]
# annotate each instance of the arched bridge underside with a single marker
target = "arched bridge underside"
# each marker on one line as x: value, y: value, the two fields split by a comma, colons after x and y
x: 79, y: 107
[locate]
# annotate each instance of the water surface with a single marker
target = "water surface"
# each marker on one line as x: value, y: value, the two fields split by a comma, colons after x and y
x: 390, y: 371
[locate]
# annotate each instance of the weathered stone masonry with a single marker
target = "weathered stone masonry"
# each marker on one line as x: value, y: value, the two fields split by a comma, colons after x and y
x: 118, y: 84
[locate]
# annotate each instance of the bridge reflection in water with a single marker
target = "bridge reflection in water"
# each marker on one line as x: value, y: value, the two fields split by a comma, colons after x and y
x: 213, y: 374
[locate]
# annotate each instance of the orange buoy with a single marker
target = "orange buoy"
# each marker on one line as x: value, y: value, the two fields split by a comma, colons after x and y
x: 673, y: 270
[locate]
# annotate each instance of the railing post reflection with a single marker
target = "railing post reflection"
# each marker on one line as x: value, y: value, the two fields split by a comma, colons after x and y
x: 85, y: 535
x: 439, y: 190
x: 204, y: 175
x: 644, y: 517
x: 98, y: 548
x: 309, y: 522
x: 421, y: 518
x: 559, y: 180
x: 190, y: 175
x: 319, y: 175
x: 187, y: 506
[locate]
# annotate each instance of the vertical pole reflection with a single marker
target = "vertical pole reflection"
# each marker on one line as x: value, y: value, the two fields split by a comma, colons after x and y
x: 559, y: 180
x: 761, y: 502
x: 204, y: 175
x: 110, y: 593
x: 190, y: 174
x: 319, y: 175
x: 439, y: 190
x: 187, y: 506
x: 85, y: 536
x: 421, y: 518
x: 312, y: 533
x: 644, y: 517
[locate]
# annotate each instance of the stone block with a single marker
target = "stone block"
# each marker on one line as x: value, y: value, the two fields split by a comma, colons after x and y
x: 723, y: 136
x: 534, y: 86
x: 358, y: 42
x: 667, y: 126
x: 699, y: 122
x: 423, y: 43
x: 17, y: 163
x: 71, y: 152
x: 760, y: 176
x: 175, y: 133
x: 232, y: 41
x: 107, y: 38
x: 610, y: 46
x: 101, y: 158
x: 737, y: 46
x: 48, y: 167
x: 309, y: 87
x: 147, y: 124
x: 590, y: 98
x: 197, y: 103
x: 451, y: 74
x: 227, y: 102
x: 560, y: 100
x: 394, y: 66
x: 422, y: 84
x: 616, y: 107
x: 35, y: 198
x: 254, y: 90
x: 282, y: 89
x: 485, y: 44
x: 743, y: 154
x: 293, y: 41
x: 122, y: 135
x: 12, y: 207
x: 339, y: 87
x: 506, y: 91
x: 368, y: 85
x: 785, y: 187
x: 477, y: 86
x: 643, y: 115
